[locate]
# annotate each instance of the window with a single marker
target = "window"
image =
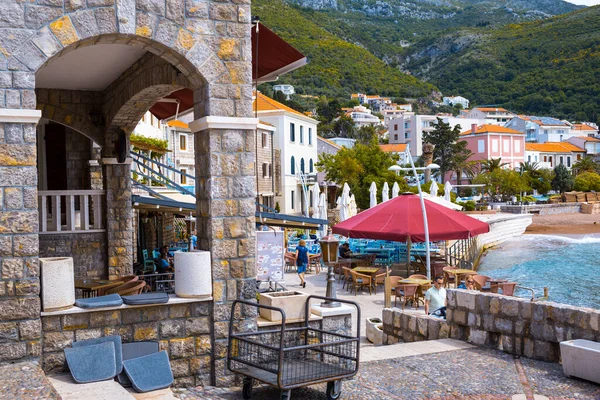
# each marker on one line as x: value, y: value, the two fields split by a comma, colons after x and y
x: 310, y: 136
x: 293, y: 195
x: 494, y: 145
x: 569, y: 161
x: 293, y: 166
x: 396, y: 137
x: 395, y: 127
x: 529, y: 158
x: 560, y: 160
x: 578, y: 156
x: 265, y: 140
x: 182, y: 142
x: 550, y: 159
x: 265, y: 170
x: 183, y: 178
x: 545, y: 158
x: 301, y: 134
x: 270, y: 170
x: 517, y: 146
x: 506, y: 146
x: 480, y: 146
x: 292, y: 132
x: 310, y: 166
x: 406, y: 135
x: 302, y: 165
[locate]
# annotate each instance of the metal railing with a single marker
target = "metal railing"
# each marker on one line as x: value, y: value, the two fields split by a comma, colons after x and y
x: 159, y: 282
x: 71, y: 211
x: 463, y: 251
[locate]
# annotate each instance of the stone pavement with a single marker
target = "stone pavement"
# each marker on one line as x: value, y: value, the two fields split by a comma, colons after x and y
x: 25, y: 381
x: 472, y: 373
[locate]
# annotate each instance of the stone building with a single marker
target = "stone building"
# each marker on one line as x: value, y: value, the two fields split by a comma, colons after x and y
x: 75, y: 78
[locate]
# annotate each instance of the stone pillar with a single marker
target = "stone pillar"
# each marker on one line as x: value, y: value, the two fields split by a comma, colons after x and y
x: 119, y: 216
x: 20, y: 326
x: 225, y: 187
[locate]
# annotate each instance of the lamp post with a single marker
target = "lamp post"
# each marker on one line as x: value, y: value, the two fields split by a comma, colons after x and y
x: 422, y: 201
x: 329, y: 254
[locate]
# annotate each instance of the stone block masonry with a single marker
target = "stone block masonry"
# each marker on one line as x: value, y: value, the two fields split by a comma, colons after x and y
x: 87, y: 249
x: 183, y: 330
x: 511, y: 324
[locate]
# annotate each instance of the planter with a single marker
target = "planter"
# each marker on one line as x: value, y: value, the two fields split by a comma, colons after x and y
x: 193, y: 274
x: 374, y: 331
x: 581, y: 358
x: 58, y: 283
x: 293, y: 304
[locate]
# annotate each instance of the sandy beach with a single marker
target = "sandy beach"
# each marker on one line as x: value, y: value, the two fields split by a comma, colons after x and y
x: 569, y: 224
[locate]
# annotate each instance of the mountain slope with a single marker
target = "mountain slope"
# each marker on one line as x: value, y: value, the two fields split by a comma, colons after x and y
x: 548, y: 67
x: 336, y: 68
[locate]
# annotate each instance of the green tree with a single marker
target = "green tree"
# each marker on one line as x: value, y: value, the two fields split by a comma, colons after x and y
x: 563, y: 179
x: 503, y: 181
x: 328, y: 110
x: 492, y: 164
x: 366, y: 134
x: 359, y: 166
x: 279, y: 96
x: 586, y: 164
x: 540, y: 179
x: 528, y: 166
x: 344, y: 127
x: 587, y: 181
x: 449, y: 151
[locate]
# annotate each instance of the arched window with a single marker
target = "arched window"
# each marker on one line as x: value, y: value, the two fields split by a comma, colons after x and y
x: 293, y: 169
x: 302, y: 165
x: 310, y: 166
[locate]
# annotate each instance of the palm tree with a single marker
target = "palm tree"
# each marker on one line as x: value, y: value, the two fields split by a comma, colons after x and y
x: 586, y: 164
x: 492, y: 164
x: 529, y: 166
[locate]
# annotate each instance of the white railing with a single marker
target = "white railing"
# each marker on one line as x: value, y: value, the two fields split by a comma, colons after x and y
x: 71, y: 211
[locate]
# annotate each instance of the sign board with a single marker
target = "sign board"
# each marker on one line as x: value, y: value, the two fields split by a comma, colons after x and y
x: 269, y: 256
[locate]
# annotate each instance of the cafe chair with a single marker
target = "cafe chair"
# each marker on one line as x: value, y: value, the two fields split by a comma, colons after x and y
x: 508, y: 288
x: 406, y: 292
x: 417, y: 276
x: 347, y: 278
x: 128, y: 288
x: 360, y: 281
x: 448, y: 277
x: 480, y: 281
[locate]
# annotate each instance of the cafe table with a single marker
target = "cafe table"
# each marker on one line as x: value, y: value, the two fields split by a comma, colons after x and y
x: 458, y: 273
x: 91, y: 287
x: 417, y: 281
x: 368, y: 271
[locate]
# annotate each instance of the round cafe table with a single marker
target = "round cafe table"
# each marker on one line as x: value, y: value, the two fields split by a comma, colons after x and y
x: 458, y: 273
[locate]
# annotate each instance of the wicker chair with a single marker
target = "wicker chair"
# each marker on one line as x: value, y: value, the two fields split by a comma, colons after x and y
x: 360, y: 281
x: 508, y: 288
x: 417, y: 276
x: 380, y: 278
x: 347, y: 277
x: 290, y: 261
x: 449, y: 278
x: 406, y: 292
x: 480, y: 281
x: 128, y: 278
x: 370, y: 259
x: 315, y: 261
x: 127, y: 289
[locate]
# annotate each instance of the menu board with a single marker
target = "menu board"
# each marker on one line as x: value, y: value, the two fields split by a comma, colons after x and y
x: 269, y: 256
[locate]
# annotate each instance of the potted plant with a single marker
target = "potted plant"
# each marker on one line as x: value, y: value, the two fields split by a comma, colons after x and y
x: 293, y: 303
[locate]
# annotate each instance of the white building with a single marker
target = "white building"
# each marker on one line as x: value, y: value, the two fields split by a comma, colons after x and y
x: 409, y: 128
x: 454, y: 100
x: 149, y: 126
x: 542, y: 129
x: 496, y: 115
x: 288, y: 90
x: 296, y: 138
x: 363, y: 116
x: 549, y: 155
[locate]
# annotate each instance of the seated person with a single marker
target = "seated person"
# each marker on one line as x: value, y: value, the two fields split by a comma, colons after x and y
x: 468, y: 284
x: 164, y: 265
x: 344, y: 251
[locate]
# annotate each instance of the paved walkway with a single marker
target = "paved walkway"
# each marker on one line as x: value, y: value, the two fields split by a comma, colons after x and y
x: 472, y: 373
x: 25, y: 381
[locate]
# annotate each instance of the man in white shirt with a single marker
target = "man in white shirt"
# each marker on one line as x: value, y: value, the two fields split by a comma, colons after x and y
x: 435, y: 297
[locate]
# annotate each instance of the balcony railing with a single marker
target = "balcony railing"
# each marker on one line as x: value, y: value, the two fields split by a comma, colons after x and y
x: 71, y: 211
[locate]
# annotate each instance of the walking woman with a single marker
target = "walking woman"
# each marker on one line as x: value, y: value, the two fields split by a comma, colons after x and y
x: 301, y: 261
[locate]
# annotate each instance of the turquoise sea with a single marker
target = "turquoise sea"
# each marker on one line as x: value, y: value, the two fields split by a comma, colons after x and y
x: 569, y: 267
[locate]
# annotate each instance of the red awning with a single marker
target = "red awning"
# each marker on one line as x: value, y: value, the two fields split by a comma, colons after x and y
x: 275, y: 57
x: 400, y: 219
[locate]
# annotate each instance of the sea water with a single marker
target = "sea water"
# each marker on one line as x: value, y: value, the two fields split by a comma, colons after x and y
x: 569, y: 267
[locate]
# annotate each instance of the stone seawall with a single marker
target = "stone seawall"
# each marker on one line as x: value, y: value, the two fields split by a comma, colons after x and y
x: 514, y: 325
x: 543, y: 209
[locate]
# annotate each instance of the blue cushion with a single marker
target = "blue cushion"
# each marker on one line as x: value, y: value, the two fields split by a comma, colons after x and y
x: 92, y: 363
x: 146, y: 298
x: 110, y: 300
x: 151, y: 372
x: 135, y: 350
x: 116, y: 340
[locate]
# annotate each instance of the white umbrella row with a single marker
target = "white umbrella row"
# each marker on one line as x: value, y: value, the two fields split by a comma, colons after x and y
x: 385, y: 193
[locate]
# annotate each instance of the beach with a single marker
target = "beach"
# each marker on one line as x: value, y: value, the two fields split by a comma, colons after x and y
x: 567, y: 224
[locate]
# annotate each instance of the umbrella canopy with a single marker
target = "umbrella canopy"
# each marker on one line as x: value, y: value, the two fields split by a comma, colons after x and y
x: 385, y: 193
x: 352, y: 206
x: 433, y: 189
x: 323, y: 212
x: 373, y: 195
x: 344, y: 203
x: 315, y: 192
x: 447, y: 190
x: 395, y: 190
x: 442, y: 201
x: 401, y: 220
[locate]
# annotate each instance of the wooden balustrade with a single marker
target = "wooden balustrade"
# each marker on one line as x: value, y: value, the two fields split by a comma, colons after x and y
x: 71, y: 211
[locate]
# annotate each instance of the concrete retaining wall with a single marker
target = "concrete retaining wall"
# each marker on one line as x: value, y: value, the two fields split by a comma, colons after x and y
x: 543, y: 209
x: 514, y: 325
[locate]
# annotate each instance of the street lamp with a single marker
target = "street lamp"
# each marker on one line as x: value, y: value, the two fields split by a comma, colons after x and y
x: 424, y: 212
x: 329, y: 254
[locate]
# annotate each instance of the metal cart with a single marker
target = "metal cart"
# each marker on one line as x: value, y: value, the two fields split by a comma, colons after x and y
x: 289, y: 358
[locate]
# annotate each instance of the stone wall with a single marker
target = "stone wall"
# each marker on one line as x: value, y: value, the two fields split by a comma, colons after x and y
x: 87, y: 249
x: 78, y: 156
x: 543, y: 209
x: 514, y: 325
x: 183, y: 330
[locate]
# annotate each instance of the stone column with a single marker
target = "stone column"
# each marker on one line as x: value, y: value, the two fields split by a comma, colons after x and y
x: 119, y: 216
x: 20, y: 326
x: 225, y: 187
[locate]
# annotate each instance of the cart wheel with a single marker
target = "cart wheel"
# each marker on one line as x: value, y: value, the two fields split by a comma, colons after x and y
x: 286, y: 394
x: 334, y: 390
x: 247, y: 388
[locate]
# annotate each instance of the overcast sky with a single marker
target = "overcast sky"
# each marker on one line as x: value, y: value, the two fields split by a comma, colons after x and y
x: 585, y: 2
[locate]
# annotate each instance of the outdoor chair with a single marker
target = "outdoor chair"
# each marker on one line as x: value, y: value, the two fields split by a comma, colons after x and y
x: 380, y: 278
x: 149, y: 264
x: 118, y: 282
x: 370, y: 259
x: 508, y: 288
x: 338, y: 269
x: 406, y: 292
x: 347, y: 277
x: 417, y: 276
x: 480, y: 281
x: 315, y: 261
x: 449, y: 278
x: 438, y: 269
x: 128, y: 288
x: 290, y: 261
x: 360, y: 281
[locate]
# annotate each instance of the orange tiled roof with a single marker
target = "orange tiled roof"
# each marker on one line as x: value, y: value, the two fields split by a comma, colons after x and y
x: 554, y: 147
x: 589, y: 138
x: 393, y: 148
x: 265, y: 123
x: 355, y: 95
x: 490, y: 109
x: 329, y: 142
x: 583, y: 127
x: 178, y: 124
x: 492, y: 129
x: 268, y: 104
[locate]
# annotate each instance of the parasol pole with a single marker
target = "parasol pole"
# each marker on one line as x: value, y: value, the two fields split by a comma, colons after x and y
x: 408, y: 246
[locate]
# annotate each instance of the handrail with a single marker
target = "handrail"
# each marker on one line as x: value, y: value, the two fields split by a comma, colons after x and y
x: 133, y: 153
x: 527, y: 288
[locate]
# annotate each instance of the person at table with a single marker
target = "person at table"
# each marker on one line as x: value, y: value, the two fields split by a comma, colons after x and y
x: 301, y: 261
x: 164, y: 265
x: 435, y: 298
x: 468, y: 284
x: 344, y: 251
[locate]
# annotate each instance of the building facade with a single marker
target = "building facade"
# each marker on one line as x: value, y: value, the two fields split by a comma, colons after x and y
x: 550, y: 154
x: 492, y: 141
x: 542, y: 129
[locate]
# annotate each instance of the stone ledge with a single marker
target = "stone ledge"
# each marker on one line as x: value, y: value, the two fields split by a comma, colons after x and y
x: 343, y: 309
x: 262, y: 322
x: 173, y: 300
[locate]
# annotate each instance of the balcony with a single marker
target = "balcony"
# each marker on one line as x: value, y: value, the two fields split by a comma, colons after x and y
x: 71, y: 211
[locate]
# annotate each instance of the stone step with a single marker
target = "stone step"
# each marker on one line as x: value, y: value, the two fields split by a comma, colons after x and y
x: 104, y: 390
